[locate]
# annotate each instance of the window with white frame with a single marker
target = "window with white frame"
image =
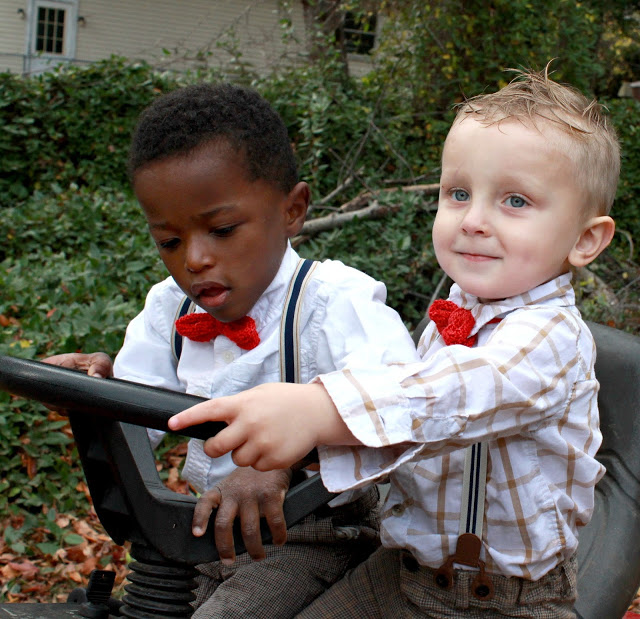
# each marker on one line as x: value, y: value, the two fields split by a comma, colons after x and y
x: 51, y: 30
x: 50, y: 25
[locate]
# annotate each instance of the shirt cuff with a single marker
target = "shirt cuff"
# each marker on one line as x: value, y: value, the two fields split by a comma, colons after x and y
x: 372, y: 404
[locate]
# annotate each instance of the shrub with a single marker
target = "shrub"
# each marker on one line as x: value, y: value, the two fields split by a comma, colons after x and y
x: 76, y: 267
x: 73, y: 124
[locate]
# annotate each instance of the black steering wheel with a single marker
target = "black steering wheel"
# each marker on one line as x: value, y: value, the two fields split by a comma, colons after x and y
x: 108, y: 418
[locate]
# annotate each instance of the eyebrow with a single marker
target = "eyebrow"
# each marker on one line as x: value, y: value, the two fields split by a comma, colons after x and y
x: 206, y: 215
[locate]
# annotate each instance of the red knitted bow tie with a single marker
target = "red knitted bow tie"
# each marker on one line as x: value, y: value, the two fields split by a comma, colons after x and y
x: 204, y: 327
x: 454, y: 323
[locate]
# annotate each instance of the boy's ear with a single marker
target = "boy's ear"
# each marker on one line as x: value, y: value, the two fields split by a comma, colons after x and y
x: 595, y: 237
x: 297, y: 205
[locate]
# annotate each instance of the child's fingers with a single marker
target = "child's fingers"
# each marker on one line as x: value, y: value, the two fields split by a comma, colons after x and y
x: 223, y: 530
x: 205, y: 505
x: 212, y: 410
x: 96, y: 364
x: 100, y: 366
x: 65, y: 360
x: 251, y: 534
x: 228, y: 439
x: 268, y: 462
x: 282, y: 457
x: 244, y: 453
x: 272, y: 509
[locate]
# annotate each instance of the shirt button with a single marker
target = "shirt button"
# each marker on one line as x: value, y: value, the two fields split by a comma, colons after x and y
x: 228, y: 356
x: 397, y: 509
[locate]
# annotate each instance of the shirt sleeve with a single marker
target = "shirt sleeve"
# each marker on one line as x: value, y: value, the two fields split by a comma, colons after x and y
x: 146, y: 356
x: 531, y: 368
x: 357, y: 329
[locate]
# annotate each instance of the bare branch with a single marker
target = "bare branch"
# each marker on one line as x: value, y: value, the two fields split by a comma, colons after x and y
x: 631, y: 284
x: 356, y: 175
x: 391, y: 147
x: 332, y: 194
x: 364, y: 206
x: 335, y: 220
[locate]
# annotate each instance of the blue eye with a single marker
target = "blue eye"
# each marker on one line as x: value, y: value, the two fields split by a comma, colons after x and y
x: 516, y: 201
x: 460, y: 195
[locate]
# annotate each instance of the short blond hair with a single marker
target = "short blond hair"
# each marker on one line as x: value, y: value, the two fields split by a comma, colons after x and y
x: 593, y: 143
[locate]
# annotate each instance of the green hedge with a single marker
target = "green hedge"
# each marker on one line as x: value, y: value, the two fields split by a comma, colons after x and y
x: 71, y: 125
x: 75, y: 269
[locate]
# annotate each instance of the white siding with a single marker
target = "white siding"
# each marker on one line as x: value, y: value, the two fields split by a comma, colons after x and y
x: 13, y: 33
x: 140, y: 29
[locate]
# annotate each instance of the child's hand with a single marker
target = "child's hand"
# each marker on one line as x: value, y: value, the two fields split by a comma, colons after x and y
x: 248, y: 494
x: 271, y: 426
x: 95, y: 364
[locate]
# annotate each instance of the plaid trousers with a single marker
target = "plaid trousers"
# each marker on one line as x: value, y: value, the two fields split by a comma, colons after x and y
x: 318, y: 552
x: 391, y: 584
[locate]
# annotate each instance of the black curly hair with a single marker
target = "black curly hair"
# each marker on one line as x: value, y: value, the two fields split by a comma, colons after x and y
x: 185, y: 119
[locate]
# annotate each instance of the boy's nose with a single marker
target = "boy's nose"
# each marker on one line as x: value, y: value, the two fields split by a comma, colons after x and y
x: 475, y: 219
x: 198, y: 256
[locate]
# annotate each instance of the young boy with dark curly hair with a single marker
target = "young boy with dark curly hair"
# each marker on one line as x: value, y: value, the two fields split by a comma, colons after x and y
x: 216, y: 177
x: 489, y: 441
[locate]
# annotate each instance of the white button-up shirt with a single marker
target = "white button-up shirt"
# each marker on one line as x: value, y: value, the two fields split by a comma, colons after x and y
x: 343, y: 322
x: 527, y: 389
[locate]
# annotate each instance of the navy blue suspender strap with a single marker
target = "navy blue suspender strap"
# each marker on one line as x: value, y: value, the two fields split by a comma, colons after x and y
x: 186, y: 307
x: 289, y: 325
x: 473, y: 489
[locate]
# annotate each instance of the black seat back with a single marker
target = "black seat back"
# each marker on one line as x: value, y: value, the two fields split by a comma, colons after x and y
x: 609, y: 549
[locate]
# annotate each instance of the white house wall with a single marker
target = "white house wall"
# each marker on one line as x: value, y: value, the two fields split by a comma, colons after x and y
x: 13, y: 33
x: 141, y: 29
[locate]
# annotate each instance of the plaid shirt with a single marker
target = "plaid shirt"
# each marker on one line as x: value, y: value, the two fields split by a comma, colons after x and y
x: 527, y: 389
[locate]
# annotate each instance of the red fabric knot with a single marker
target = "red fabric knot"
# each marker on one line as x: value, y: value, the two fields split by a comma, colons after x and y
x: 454, y: 323
x: 204, y: 327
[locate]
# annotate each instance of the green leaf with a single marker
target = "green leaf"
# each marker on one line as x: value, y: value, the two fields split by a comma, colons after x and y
x: 73, y: 539
x: 56, y: 438
x: 47, y: 548
x: 18, y: 547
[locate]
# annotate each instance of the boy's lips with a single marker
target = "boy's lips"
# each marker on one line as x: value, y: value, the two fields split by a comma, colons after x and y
x: 210, y: 294
x: 474, y: 256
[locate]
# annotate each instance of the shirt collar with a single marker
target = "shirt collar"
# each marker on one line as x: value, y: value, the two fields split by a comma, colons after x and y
x: 269, y: 306
x: 558, y: 292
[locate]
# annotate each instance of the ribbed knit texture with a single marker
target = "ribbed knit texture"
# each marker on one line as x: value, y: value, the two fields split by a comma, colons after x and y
x: 454, y: 323
x: 204, y: 327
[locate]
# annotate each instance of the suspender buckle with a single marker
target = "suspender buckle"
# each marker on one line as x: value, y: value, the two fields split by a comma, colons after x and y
x: 467, y: 553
